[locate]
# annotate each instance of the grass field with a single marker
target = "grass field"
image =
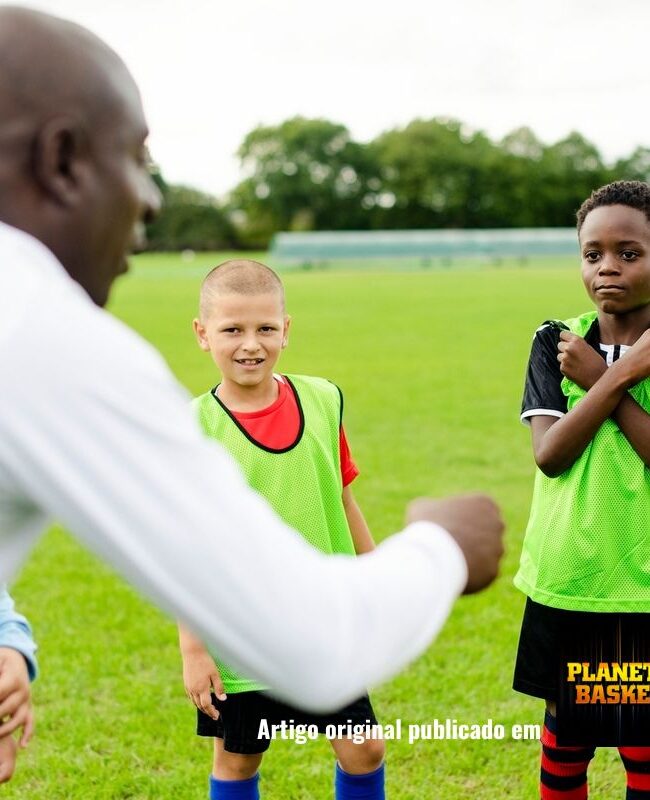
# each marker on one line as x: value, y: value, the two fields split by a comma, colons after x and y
x: 431, y: 365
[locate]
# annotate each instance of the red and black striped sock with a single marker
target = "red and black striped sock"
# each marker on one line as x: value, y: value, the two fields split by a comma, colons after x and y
x: 564, y: 769
x: 636, y: 761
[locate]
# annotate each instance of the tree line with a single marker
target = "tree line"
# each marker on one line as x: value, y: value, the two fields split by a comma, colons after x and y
x: 310, y: 174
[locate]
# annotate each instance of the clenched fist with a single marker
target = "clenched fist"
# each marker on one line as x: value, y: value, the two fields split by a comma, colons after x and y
x: 474, y: 521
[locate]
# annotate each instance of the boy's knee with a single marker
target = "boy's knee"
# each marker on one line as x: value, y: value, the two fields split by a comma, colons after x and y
x: 362, y: 758
x: 375, y: 753
x: 235, y: 766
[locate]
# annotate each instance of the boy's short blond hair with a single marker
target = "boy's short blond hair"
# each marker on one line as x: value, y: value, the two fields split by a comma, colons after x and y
x: 238, y: 276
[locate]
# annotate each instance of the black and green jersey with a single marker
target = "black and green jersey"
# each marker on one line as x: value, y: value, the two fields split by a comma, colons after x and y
x: 587, y: 544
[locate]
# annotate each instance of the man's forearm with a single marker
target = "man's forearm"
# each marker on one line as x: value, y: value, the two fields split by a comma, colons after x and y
x: 142, y: 487
x: 199, y: 542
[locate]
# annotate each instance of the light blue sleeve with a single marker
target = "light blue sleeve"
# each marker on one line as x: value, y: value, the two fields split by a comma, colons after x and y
x: 15, y: 632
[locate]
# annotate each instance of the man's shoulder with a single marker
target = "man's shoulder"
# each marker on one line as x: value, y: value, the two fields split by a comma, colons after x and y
x: 58, y: 338
x: 30, y: 277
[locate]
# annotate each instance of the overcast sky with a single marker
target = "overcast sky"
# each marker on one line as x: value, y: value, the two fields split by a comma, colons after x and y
x: 210, y: 71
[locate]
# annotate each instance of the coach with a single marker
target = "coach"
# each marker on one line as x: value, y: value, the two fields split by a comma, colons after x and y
x: 95, y: 431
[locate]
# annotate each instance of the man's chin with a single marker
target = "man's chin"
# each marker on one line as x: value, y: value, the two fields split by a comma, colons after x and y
x: 101, y: 294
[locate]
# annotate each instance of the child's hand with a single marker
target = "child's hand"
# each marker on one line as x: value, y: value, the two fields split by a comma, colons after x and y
x: 579, y: 361
x: 15, y: 692
x: 636, y: 361
x: 201, y: 677
x: 8, y: 751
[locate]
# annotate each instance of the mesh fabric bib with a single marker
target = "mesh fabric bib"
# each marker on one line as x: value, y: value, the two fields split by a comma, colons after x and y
x: 302, y: 482
x: 587, y: 545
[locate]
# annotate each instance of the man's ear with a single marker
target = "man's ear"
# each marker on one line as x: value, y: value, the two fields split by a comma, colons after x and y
x: 58, y: 158
x: 201, y: 337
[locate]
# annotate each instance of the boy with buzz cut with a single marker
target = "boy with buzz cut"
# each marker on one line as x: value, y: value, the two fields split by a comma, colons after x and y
x: 585, y: 565
x: 286, y: 432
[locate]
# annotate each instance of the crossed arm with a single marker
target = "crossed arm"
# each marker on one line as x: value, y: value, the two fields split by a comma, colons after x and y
x: 558, y: 443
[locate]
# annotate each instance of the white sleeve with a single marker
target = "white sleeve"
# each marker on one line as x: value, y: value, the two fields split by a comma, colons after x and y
x: 99, y: 434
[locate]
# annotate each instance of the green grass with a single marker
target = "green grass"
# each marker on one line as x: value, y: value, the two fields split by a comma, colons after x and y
x: 431, y: 364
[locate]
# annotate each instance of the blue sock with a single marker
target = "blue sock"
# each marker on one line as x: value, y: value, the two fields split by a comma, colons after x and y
x: 369, y: 786
x: 235, y: 790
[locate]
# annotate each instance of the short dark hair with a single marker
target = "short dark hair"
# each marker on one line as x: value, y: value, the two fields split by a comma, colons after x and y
x: 635, y: 194
x: 238, y: 276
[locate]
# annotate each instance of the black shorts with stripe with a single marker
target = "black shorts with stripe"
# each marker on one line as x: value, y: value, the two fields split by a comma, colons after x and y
x: 241, y: 715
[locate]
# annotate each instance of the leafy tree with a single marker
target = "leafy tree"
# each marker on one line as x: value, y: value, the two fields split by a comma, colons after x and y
x: 571, y: 169
x: 189, y: 220
x: 434, y: 173
x: 304, y: 174
x: 634, y: 168
x: 308, y: 174
x: 522, y: 143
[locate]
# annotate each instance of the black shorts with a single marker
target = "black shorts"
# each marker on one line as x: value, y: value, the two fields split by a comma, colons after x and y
x: 553, y: 646
x: 551, y: 636
x: 240, y: 716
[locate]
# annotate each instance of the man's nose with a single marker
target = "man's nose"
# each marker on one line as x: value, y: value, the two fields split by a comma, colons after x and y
x: 152, y: 201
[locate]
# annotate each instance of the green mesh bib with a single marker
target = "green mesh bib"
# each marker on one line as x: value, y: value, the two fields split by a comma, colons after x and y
x: 587, y: 545
x: 302, y: 483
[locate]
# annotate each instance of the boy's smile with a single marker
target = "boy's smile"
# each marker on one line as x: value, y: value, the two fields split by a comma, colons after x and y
x: 615, y: 246
x: 249, y: 362
x: 248, y: 365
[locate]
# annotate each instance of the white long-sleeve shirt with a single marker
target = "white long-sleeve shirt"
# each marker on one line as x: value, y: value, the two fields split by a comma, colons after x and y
x: 96, y: 432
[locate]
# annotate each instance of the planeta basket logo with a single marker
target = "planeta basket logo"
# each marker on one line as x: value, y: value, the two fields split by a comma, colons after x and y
x: 609, y: 682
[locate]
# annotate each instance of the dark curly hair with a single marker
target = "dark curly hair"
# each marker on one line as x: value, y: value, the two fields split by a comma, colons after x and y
x: 635, y: 194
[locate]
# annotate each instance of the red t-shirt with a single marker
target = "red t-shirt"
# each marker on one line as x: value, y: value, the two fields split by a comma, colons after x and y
x: 277, y: 427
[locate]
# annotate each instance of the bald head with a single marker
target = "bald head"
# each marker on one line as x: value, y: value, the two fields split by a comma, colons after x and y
x: 72, y: 131
x: 238, y: 276
x: 49, y: 66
